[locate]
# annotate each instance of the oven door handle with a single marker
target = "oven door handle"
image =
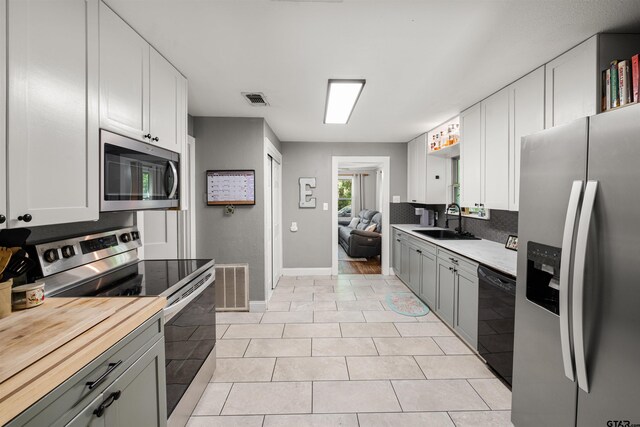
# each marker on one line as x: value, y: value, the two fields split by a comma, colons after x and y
x: 172, y: 310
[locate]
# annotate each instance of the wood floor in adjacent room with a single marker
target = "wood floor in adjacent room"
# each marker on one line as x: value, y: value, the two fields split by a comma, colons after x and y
x: 370, y: 266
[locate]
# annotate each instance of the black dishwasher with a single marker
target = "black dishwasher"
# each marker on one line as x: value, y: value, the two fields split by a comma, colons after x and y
x: 496, y: 313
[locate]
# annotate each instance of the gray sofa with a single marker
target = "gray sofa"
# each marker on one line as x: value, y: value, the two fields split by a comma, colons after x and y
x: 358, y: 243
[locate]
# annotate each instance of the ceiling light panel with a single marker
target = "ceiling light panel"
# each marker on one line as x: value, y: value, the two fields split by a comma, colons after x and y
x: 342, y: 96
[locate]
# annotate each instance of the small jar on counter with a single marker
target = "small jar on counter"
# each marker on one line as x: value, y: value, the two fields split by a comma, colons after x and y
x: 27, y: 296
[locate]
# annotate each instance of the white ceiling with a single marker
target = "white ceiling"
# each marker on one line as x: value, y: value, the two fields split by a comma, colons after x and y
x: 424, y: 61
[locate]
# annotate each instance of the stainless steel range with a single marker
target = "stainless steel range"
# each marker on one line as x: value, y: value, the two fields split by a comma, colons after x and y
x: 107, y: 265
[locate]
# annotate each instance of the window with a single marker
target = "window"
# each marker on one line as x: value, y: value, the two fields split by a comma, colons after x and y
x: 345, y: 194
x: 455, y: 181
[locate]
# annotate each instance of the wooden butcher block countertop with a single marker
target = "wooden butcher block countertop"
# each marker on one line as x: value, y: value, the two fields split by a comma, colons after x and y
x: 66, y: 334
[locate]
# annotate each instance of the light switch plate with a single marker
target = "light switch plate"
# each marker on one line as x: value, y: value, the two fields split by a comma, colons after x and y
x: 396, y: 199
x: 325, y: 206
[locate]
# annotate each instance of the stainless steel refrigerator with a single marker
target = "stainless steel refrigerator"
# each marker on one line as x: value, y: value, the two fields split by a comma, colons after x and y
x: 577, y: 325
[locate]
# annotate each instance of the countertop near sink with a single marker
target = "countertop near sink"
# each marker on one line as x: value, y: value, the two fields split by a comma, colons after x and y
x: 486, y: 252
x: 34, y: 381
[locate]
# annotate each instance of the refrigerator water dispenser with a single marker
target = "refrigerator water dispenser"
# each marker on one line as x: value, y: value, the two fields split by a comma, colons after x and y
x: 543, y: 276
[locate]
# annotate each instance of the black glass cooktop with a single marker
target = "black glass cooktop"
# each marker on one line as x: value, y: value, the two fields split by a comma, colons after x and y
x: 145, y: 278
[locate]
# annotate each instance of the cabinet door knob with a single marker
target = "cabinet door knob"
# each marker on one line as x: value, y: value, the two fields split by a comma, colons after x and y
x: 147, y: 136
x: 156, y: 139
x: 25, y: 218
x: 3, y: 219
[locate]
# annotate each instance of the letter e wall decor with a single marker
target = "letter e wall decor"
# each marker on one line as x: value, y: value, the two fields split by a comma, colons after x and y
x: 306, y: 201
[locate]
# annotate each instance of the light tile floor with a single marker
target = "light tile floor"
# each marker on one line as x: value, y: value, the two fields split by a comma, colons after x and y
x: 330, y: 352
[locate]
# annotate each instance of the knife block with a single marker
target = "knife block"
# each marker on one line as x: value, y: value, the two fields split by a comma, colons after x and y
x: 5, y: 298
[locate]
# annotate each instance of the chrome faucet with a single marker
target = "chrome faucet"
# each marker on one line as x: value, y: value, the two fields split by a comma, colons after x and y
x: 446, y: 212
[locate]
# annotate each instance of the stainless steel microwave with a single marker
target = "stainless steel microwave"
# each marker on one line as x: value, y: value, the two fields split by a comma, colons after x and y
x: 136, y: 175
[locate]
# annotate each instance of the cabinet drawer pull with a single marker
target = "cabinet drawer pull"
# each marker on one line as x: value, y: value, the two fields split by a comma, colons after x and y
x: 419, y: 251
x: 156, y: 139
x: 147, y: 136
x: 397, y: 240
x: 453, y: 260
x: 96, y: 383
x: 107, y: 402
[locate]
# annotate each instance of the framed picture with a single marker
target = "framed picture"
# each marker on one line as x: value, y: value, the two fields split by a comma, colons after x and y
x: 231, y: 187
x: 512, y: 243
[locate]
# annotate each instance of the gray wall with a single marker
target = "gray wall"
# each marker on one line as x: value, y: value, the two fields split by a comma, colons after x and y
x: 310, y: 246
x: 232, y: 143
x: 190, y: 130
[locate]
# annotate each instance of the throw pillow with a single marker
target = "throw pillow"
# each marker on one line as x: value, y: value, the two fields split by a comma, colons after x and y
x: 372, y: 227
x: 354, y: 222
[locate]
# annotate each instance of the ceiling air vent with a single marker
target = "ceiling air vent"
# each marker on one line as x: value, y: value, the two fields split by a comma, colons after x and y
x: 257, y: 99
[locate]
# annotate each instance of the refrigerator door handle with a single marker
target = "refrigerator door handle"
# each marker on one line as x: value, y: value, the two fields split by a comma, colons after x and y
x: 578, y: 283
x: 565, y: 265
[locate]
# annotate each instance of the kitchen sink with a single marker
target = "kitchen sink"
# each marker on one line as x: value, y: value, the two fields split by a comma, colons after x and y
x: 446, y: 235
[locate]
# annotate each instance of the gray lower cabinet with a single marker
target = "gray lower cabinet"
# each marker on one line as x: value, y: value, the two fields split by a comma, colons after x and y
x: 404, y: 261
x: 397, y: 253
x: 415, y: 268
x: 124, y: 386
x: 139, y: 394
x: 87, y: 417
x: 445, y: 281
x: 428, y: 290
x: 446, y: 291
x: 466, y: 320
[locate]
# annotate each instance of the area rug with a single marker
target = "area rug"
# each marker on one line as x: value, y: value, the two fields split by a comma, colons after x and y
x: 407, y: 304
x: 342, y: 256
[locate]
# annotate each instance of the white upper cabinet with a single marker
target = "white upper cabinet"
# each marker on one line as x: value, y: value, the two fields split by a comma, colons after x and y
x: 167, y: 113
x: 124, y: 77
x: 142, y: 95
x: 495, y: 117
x: 526, y: 117
x: 437, y: 181
x: 471, y: 156
x: 3, y: 113
x: 53, y: 103
x: 572, y: 84
x: 422, y: 169
x: 416, y: 170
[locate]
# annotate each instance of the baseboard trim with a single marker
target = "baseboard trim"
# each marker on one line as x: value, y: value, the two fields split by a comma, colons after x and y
x: 306, y: 271
x: 257, y: 306
x: 391, y: 272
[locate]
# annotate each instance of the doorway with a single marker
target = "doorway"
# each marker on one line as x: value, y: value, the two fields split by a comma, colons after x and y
x: 360, y: 183
x: 273, y: 217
